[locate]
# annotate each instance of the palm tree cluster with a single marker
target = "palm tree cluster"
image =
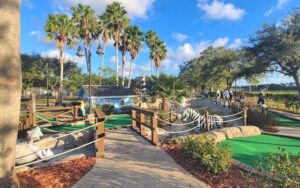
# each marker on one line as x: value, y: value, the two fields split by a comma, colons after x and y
x: 113, y: 24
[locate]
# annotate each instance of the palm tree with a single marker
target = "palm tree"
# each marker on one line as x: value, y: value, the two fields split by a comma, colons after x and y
x: 151, y: 38
x: 10, y: 89
x: 158, y: 53
x: 105, y: 35
x: 86, y: 25
x: 123, y: 48
x: 116, y: 20
x: 59, y: 28
x: 134, y: 39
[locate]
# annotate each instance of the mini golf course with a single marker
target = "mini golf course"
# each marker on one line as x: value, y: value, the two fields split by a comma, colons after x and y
x: 113, y: 121
x: 248, y: 150
x: 285, y: 121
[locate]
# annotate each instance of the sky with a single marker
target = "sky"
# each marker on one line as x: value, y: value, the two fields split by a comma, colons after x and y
x: 187, y: 27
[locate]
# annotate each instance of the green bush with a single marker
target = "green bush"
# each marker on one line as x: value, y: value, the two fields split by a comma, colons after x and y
x: 255, y: 117
x: 216, y: 158
x: 284, y: 168
x: 108, y: 109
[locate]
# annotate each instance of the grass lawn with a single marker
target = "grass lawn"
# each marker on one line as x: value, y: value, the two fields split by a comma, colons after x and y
x: 249, y: 149
x: 113, y: 121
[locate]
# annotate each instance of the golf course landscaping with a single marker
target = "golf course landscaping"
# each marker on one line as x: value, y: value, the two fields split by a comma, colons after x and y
x: 113, y: 121
x: 249, y: 150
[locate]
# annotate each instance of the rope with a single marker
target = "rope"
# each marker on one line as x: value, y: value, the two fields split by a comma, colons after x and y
x: 177, y: 123
x: 53, y: 156
x: 228, y: 120
x: 48, y: 121
x: 56, y: 138
x: 230, y: 114
x: 187, y: 130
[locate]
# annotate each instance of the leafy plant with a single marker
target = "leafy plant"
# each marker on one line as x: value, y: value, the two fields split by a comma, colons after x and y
x: 108, y: 109
x: 284, y: 168
x: 255, y: 117
x: 216, y: 158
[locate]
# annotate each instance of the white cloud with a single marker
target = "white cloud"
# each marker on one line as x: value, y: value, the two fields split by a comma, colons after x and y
x: 68, y: 57
x: 280, y: 4
x: 179, y: 37
x: 220, y: 42
x: 218, y: 10
x: 135, y: 8
x: 35, y: 33
x: 113, y: 59
x: 236, y: 43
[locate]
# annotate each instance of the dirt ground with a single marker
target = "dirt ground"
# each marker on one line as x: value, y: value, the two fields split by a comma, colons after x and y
x: 233, y: 178
x: 62, y: 175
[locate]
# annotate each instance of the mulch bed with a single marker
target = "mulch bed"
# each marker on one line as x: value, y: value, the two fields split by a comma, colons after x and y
x: 60, y: 175
x: 233, y: 178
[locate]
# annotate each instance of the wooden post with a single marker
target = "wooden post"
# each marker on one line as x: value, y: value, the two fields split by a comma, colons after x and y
x: 100, y: 143
x: 245, y: 116
x: 133, y: 115
x: 154, y: 131
x: 33, y: 110
x: 75, y: 112
x: 142, y: 120
x: 207, y: 120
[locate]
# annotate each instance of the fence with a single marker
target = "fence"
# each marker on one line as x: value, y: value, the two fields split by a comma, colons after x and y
x: 43, y: 113
x: 139, y: 124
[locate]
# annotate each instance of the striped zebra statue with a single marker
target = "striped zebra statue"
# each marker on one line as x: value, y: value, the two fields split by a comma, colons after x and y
x: 192, y: 115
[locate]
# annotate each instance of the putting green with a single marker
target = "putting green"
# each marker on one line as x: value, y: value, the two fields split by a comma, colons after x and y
x: 249, y: 149
x: 113, y: 121
x: 285, y: 121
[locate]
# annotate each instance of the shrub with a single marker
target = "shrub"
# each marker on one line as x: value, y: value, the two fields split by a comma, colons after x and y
x: 284, y: 168
x: 216, y: 158
x: 255, y: 117
x: 108, y: 109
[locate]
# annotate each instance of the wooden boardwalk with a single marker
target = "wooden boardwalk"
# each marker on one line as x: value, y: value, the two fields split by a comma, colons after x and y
x: 130, y: 161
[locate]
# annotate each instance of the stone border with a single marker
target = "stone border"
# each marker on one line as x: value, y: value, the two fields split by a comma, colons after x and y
x: 281, y: 134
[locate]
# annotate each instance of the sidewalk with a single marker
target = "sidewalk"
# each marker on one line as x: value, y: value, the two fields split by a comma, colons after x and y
x: 130, y: 161
x: 287, y: 114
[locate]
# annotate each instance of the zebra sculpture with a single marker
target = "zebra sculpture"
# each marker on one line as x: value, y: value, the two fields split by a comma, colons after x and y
x: 193, y: 116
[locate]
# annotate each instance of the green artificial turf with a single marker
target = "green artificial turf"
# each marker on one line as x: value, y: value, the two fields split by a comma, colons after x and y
x: 112, y: 122
x: 249, y: 149
x: 285, y: 121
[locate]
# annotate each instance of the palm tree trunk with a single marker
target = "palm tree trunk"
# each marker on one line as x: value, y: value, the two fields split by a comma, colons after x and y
x: 117, y: 66
x: 61, y: 59
x: 156, y: 72
x: 130, y: 72
x: 102, y: 64
x: 123, y: 68
x: 10, y: 89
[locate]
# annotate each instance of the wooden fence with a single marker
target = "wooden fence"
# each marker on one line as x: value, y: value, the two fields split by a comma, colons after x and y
x: 139, y: 123
x: 46, y: 112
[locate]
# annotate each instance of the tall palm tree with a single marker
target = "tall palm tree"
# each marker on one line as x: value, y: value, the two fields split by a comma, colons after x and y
x: 59, y: 28
x: 123, y: 48
x: 10, y: 89
x: 151, y: 38
x: 116, y: 20
x: 86, y: 24
x: 158, y: 53
x: 105, y: 35
x: 134, y: 38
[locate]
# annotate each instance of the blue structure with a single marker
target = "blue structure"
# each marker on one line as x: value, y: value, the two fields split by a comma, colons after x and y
x: 118, y: 96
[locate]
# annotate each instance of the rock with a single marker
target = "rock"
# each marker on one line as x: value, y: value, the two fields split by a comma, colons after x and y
x: 250, y: 130
x: 231, y: 132
x: 24, y: 154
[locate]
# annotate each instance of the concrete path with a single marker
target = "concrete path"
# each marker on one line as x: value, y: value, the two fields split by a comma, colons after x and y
x: 287, y: 114
x: 130, y: 161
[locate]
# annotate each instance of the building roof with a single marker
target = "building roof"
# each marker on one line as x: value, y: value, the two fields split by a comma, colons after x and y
x: 104, y: 91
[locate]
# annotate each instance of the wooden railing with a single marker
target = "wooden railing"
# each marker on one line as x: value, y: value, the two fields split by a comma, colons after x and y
x: 139, y: 124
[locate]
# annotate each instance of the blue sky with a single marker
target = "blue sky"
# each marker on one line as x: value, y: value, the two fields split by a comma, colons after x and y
x: 187, y: 27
